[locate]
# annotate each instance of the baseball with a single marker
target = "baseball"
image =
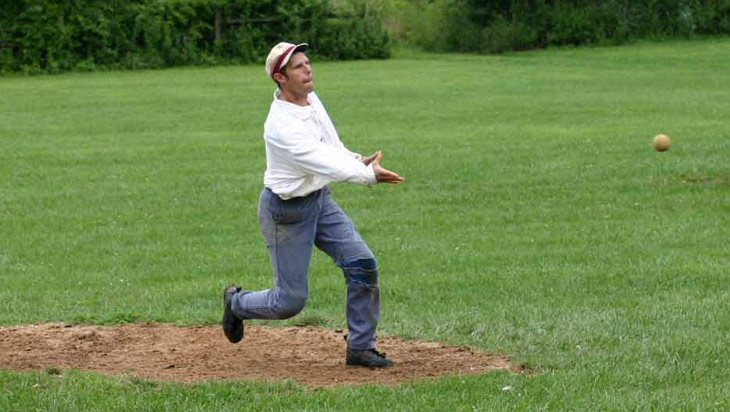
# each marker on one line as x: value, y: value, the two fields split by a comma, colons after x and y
x: 661, y: 142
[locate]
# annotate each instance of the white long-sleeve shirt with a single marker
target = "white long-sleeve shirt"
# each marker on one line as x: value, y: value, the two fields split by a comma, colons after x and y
x: 304, y: 152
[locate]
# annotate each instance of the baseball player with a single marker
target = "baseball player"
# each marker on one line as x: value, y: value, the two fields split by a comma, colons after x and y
x: 296, y: 211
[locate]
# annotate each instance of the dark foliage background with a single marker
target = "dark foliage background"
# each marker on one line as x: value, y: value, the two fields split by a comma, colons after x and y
x: 55, y: 36
x: 488, y: 26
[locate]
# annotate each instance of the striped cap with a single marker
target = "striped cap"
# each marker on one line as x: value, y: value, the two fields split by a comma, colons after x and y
x: 279, y: 56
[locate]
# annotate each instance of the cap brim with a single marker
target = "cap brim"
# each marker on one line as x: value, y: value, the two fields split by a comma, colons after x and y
x: 298, y: 48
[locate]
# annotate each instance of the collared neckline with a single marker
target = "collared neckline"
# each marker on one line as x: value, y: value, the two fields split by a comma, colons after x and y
x: 301, y: 112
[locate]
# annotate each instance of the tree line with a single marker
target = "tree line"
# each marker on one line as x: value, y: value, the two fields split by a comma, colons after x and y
x: 55, y: 36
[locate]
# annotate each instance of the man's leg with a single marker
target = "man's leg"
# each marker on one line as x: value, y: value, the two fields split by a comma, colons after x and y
x: 336, y: 236
x: 288, y: 228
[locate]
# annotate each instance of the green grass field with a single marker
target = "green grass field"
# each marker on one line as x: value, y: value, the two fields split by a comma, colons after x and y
x: 536, y: 221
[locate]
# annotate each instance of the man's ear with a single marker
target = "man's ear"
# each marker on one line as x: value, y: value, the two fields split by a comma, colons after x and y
x: 280, y: 78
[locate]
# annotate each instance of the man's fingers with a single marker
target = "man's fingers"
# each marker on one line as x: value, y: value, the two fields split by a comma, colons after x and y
x: 386, y: 176
x: 393, y: 176
x: 377, y: 155
x: 369, y: 159
x: 383, y: 175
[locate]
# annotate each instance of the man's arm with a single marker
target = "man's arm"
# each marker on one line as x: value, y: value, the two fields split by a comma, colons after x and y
x: 315, y: 157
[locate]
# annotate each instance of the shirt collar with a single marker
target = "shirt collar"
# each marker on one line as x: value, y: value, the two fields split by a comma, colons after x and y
x: 300, y: 112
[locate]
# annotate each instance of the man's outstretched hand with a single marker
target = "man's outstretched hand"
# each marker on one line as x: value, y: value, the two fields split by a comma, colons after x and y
x: 382, y: 175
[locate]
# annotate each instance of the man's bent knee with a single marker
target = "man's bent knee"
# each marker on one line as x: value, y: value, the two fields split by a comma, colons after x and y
x: 289, y: 307
x: 364, y: 271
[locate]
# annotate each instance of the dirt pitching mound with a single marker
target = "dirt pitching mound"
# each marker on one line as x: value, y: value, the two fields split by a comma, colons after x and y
x: 311, y: 356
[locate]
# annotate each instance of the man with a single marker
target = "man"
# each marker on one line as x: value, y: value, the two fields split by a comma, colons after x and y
x: 296, y: 211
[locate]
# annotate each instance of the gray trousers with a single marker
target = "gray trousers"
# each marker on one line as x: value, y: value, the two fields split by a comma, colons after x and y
x: 290, y: 229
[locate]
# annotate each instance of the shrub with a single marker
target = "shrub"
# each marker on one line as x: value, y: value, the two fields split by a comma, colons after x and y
x: 346, y: 39
x: 523, y: 24
x: 52, y: 36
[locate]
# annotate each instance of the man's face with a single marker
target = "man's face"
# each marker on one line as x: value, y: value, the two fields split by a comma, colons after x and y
x: 297, y: 77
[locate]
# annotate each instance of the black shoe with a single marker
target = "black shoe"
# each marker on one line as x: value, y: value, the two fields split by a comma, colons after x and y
x: 367, y: 357
x: 232, y: 325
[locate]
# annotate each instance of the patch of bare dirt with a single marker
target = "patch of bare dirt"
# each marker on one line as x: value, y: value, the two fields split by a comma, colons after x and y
x: 311, y: 356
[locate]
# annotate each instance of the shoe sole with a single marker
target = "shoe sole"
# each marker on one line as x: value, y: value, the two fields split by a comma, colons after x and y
x: 229, y: 319
x: 355, y: 363
x: 387, y: 365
